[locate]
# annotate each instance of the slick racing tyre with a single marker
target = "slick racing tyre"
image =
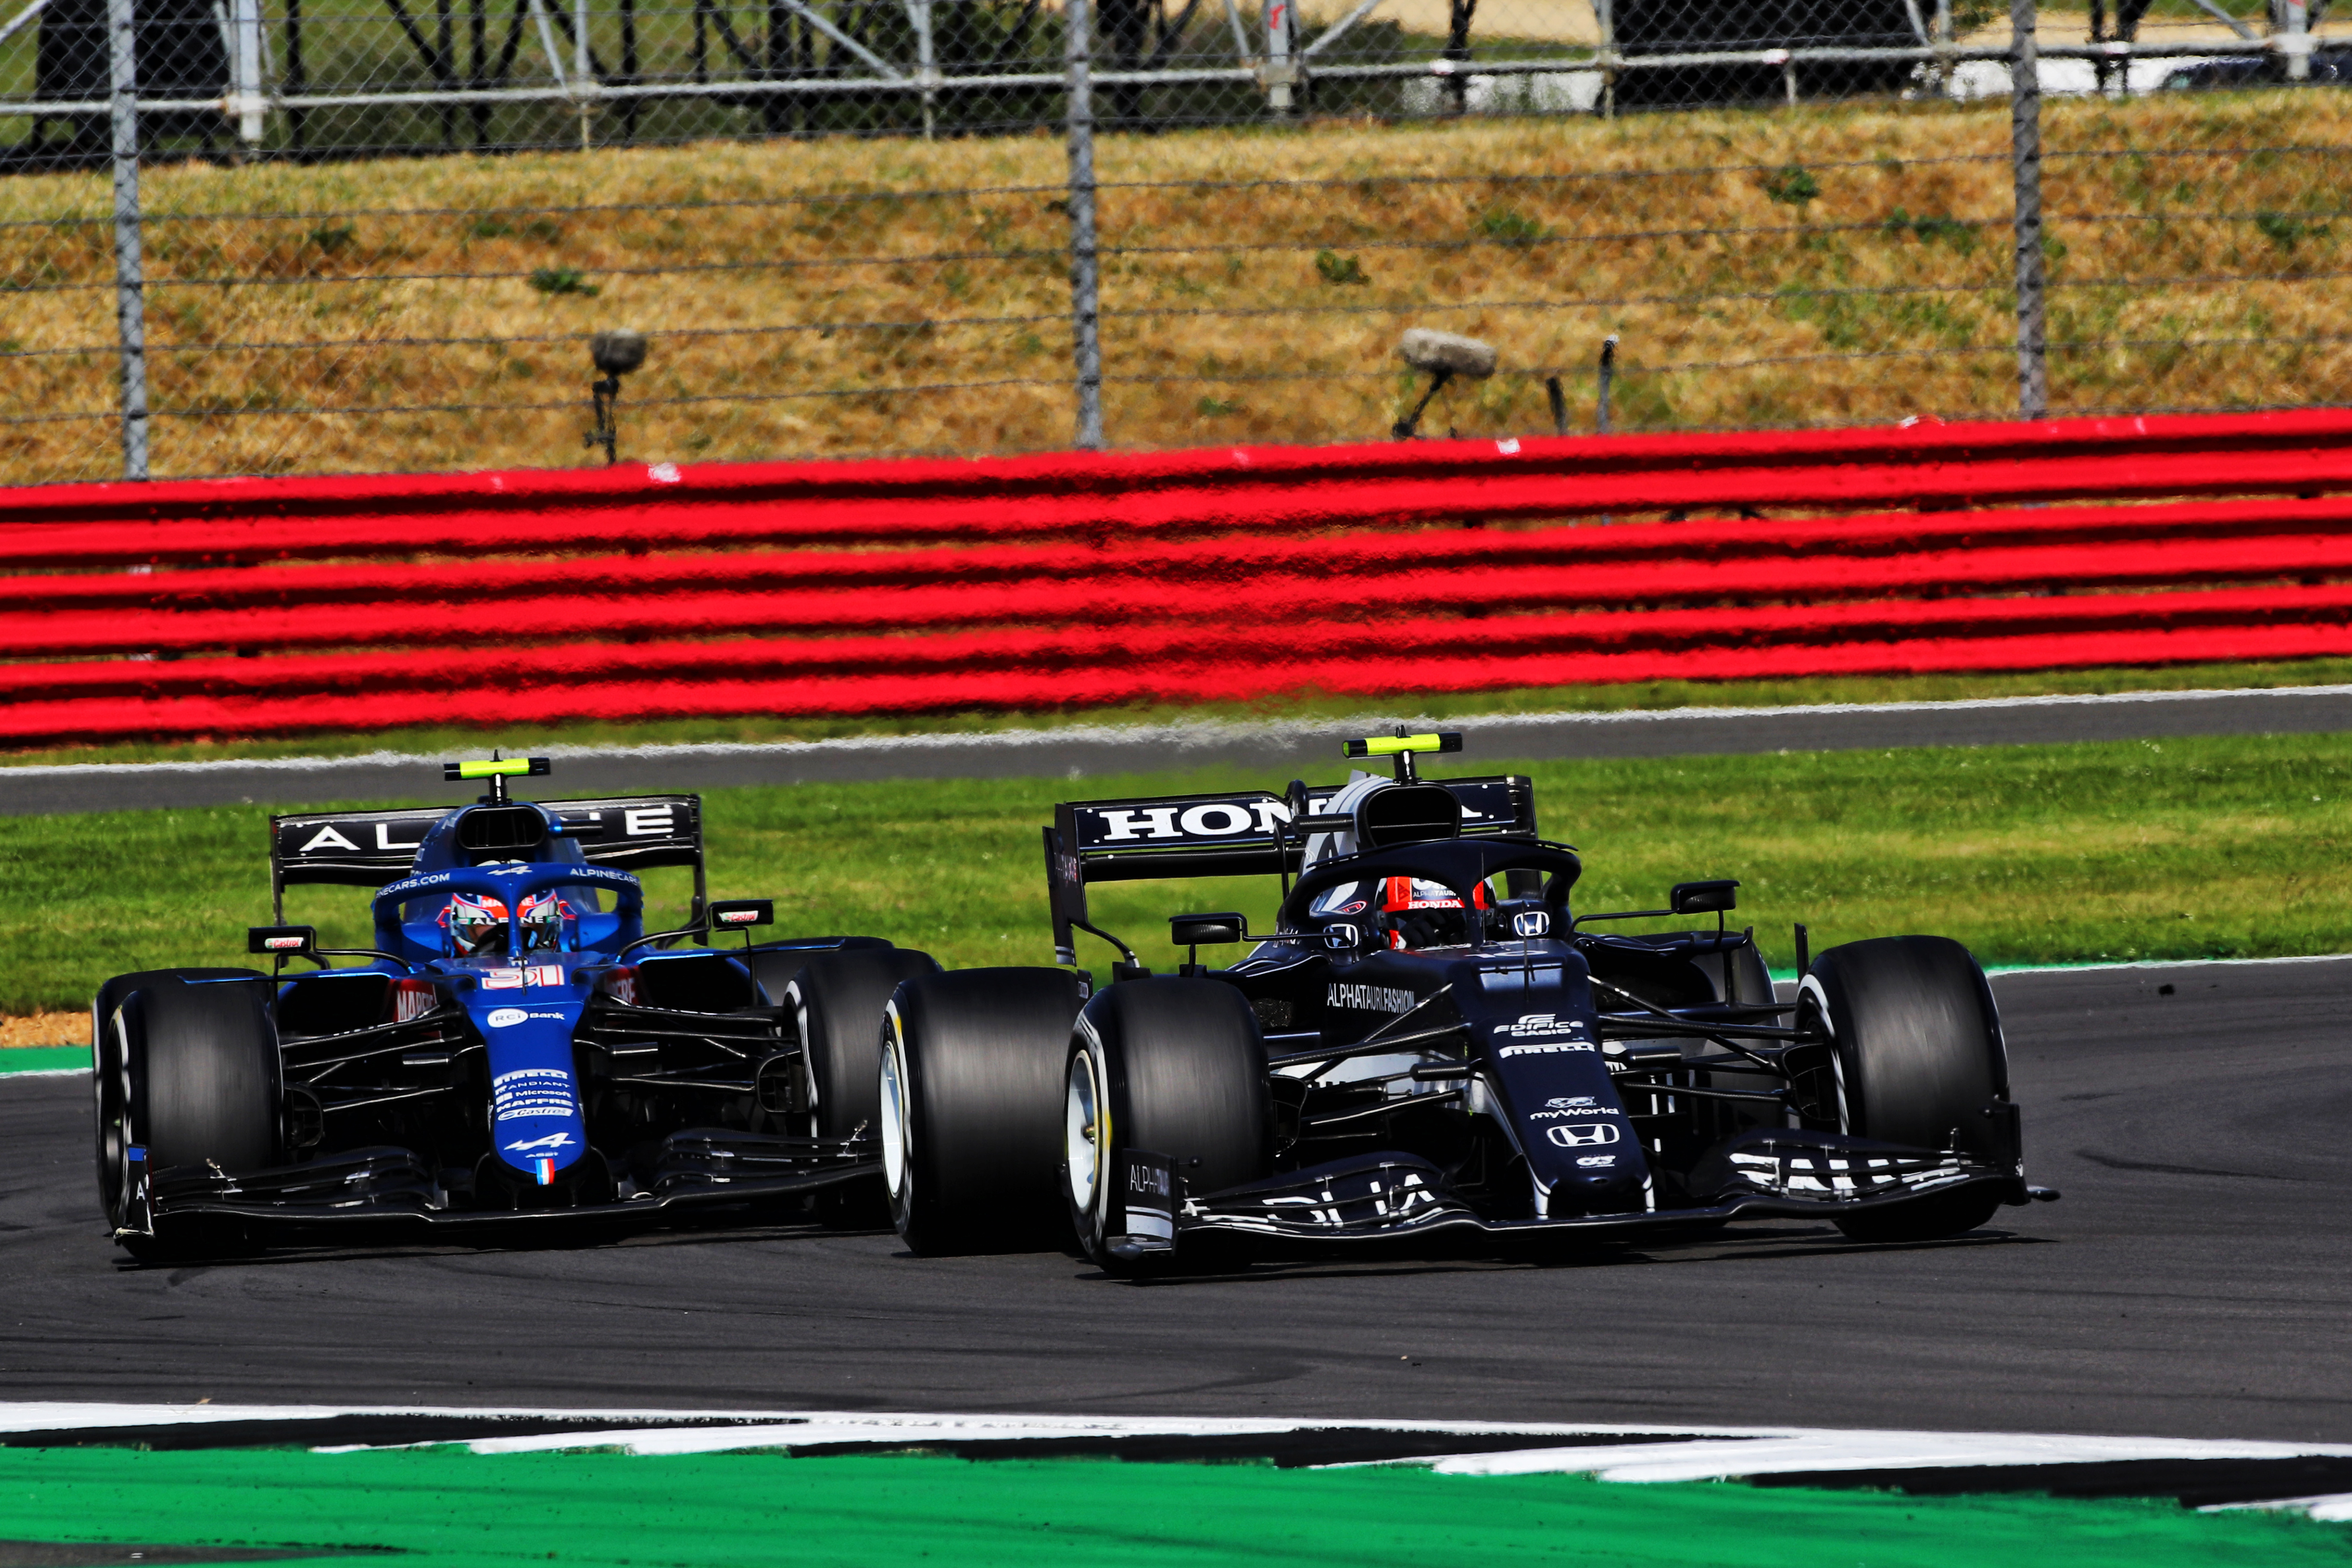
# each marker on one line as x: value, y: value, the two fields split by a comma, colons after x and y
x: 1917, y: 1059
x: 836, y: 1002
x: 200, y: 1086
x: 970, y: 1092
x: 1169, y: 1067
x: 110, y: 1077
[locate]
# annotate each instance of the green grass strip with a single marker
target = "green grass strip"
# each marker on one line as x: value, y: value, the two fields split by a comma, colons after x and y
x: 455, y: 1509
x: 2209, y: 848
x: 43, y: 1058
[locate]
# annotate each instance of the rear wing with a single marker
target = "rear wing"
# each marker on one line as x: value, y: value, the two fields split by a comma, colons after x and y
x: 372, y: 848
x: 1242, y: 834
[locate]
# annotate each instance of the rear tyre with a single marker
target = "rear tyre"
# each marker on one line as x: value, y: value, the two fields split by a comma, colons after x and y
x: 1170, y: 1067
x: 1917, y: 1059
x: 971, y: 1106
x: 836, y: 1002
x: 190, y: 1073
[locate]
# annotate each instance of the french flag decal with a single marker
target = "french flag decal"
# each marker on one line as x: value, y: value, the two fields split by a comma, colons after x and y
x: 545, y: 1165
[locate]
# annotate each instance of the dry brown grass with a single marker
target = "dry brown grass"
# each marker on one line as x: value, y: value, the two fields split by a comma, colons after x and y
x: 1665, y: 229
x: 45, y: 1029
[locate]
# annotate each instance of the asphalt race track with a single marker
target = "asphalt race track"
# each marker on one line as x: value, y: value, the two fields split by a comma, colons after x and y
x: 2195, y: 1281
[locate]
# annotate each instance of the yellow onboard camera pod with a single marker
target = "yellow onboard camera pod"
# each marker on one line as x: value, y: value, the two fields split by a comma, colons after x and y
x: 497, y: 770
x: 512, y: 767
x: 1403, y: 747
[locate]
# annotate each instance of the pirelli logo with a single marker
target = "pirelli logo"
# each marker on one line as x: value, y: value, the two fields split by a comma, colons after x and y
x: 1371, y: 998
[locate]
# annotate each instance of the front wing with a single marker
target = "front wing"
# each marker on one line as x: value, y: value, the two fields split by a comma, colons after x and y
x: 1389, y: 1195
x: 392, y: 1191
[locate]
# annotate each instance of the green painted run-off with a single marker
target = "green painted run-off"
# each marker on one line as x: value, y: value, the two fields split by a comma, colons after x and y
x: 43, y: 1058
x: 446, y: 1506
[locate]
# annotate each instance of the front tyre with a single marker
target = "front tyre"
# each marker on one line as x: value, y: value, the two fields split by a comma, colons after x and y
x: 1917, y: 1057
x: 111, y: 1077
x: 190, y: 1072
x: 1169, y: 1067
x: 970, y: 1089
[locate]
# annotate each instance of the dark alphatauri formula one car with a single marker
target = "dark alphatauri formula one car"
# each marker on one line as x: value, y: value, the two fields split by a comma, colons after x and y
x: 515, y: 1052
x: 1431, y: 1039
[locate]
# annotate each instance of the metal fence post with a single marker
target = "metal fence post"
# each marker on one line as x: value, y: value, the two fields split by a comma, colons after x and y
x: 248, y: 106
x: 1086, y: 295
x: 1604, y: 14
x: 1278, y: 72
x: 927, y: 64
x: 130, y: 298
x: 2025, y: 168
x: 2296, y: 43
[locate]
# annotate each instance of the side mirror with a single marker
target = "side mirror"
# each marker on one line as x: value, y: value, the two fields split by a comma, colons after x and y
x: 737, y: 914
x: 1704, y: 897
x: 283, y: 941
x: 1207, y: 931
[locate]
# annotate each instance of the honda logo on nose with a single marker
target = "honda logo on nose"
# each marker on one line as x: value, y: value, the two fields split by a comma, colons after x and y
x: 1583, y: 1137
x: 1530, y: 924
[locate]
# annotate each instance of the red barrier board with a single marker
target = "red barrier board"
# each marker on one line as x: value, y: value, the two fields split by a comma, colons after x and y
x: 293, y: 606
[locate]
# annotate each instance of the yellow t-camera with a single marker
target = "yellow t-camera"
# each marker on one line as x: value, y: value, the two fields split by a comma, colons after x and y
x: 497, y: 767
x: 1397, y: 746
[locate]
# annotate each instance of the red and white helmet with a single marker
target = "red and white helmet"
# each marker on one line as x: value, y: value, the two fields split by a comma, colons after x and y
x: 542, y: 917
x: 476, y: 922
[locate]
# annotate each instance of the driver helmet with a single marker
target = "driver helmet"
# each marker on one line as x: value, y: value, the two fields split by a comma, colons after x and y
x: 541, y: 917
x: 476, y: 924
x: 1420, y: 913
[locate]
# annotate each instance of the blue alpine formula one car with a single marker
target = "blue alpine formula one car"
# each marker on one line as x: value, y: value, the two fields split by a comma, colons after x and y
x: 515, y: 1053
x: 1431, y: 1040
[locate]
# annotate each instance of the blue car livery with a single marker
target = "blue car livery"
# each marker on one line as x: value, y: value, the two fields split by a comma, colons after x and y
x: 515, y: 1049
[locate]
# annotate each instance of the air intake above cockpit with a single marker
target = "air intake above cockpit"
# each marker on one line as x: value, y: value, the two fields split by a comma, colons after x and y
x: 1407, y: 814
x: 511, y: 830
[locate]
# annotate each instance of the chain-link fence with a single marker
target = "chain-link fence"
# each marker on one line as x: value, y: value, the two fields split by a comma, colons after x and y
x: 850, y: 227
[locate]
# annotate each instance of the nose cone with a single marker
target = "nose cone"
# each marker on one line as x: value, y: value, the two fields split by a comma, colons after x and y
x: 536, y: 1122
x: 1581, y: 1146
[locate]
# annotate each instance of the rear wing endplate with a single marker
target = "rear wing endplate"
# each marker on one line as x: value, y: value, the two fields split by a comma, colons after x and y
x: 1242, y: 834
x: 372, y: 848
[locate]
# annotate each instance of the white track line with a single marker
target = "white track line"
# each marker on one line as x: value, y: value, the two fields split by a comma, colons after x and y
x: 2163, y: 963
x: 1710, y: 1453
x: 766, y: 1428
x: 1179, y: 738
x: 2334, y: 1509
x: 814, y: 1428
x: 1807, y: 1449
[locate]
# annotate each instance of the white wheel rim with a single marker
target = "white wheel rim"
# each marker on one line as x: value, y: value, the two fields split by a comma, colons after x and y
x: 1810, y: 988
x: 894, y: 1114
x: 1083, y: 1134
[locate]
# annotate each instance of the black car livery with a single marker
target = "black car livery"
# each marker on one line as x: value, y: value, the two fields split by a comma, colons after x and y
x: 1430, y: 1039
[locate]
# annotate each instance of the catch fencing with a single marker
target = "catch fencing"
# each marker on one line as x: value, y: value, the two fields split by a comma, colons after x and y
x: 177, y: 610
x: 315, y: 78
x: 336, y: 235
